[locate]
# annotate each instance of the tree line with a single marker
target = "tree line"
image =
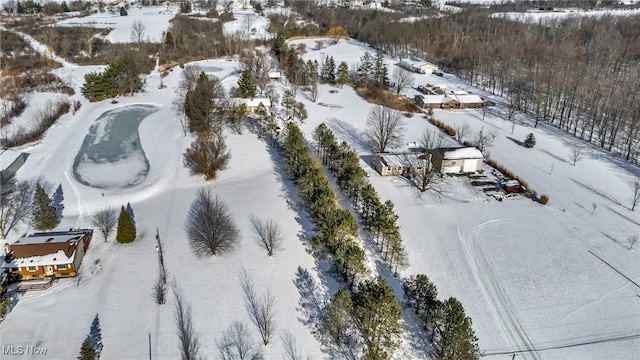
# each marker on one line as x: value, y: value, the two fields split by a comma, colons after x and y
x: 579, y: 74
x: 370, y: 302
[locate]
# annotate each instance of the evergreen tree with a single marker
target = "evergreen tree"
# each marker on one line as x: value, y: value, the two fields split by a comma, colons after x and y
x: 457, y: 341
x: 126, y: 232
x: 530, y: 141
x: 343, y: 74
x: 380, y: 72
x: 288, y: 101
x: 87, y: 352
x: 44, y: 214
x: 123, y: 11
x: 422, y: 295
x: 64, y: 6
x: 339, y: 317
x: 246, y: 85
x: 365, y: 68
x: 378, y: 314
x: 185, y: 7
x: 131, y: 214
x: 57, y: 202
x: 95, y: 335
x: 351, y: 259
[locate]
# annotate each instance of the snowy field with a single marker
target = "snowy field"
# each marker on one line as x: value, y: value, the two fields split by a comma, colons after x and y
x: 544, y: 282
x: 155, y: 19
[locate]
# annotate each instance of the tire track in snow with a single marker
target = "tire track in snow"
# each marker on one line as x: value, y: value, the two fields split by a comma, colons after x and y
x: 83, y: 208
x: 493, y: 294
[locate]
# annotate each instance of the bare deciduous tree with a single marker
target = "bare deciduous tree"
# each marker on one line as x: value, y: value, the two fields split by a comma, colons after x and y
x: 402, y: 78
x: 105, y: 220
x: 422, y: 172
x: 137, y: 32
x: 210, y: 227
x: 189, y: 342
x: 160, y: 290
x: 16, y: 199
x: 576, y: 153
x: 385, y: 128
x: 269, y: 234
x: 261, y: 310
x: 236, y: 344
x: 484, y: 141
x: 635, y: 192
x: 249, y: 21
x: 462, y: 129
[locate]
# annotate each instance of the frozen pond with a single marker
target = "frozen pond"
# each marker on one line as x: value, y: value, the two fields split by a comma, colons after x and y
x: 111, y: 154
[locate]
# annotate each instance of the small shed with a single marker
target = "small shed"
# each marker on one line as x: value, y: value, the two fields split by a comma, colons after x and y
x: 10, y: 162
x: 274, y: 75
x: 463, y: 160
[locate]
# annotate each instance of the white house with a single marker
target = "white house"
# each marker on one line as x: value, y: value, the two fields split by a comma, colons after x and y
x: 461, y: 160
x: 418, y: 65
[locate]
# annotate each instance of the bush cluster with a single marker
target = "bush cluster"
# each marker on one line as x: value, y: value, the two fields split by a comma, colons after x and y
x: 44, y: 119
x: 376, y: 95
x: 445, y: 127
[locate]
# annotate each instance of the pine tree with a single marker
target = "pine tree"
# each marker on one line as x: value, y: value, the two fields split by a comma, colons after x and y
x: 339, y: 317
x: 126, y: 232
x: 422, y: 295
x: 530, y: 141
x: 246, y: 85
x: 457, y: 341
x: 87, y: 352
x: 57, y: 202
x: 123, y: 11
x: 380, y: 72
x: 378, y: 314
x: 44, y: 214
x: 343, y: 74
x: 365, y: 69
x: 131, y: 214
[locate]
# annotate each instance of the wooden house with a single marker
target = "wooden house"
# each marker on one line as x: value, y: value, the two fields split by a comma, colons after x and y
x: 46, y: 254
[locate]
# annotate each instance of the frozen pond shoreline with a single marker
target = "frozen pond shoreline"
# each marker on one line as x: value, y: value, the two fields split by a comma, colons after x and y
x: 111, y: 154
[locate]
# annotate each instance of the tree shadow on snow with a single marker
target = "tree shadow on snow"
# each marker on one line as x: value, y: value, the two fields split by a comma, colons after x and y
x: 346, y: 132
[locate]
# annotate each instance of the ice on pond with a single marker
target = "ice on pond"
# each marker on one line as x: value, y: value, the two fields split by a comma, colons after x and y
x: 111, y: 154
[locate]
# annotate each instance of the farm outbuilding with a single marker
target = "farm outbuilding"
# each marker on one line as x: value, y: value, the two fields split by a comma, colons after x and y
x: 418, y: 65
x: 463, y: 160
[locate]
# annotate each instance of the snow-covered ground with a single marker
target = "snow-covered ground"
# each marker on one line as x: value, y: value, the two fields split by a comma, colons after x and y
x: 543, y: 16
x: 545, y: 282
x: 155, y: 19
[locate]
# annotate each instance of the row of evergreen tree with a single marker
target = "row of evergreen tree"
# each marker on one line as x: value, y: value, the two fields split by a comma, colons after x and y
x: 379, y: 218
x: 369, y: 303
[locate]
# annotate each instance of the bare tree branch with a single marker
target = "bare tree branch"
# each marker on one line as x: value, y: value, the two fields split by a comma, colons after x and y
x: 385, y: 128
x: 236, y: 344
x: 261, y: 310
x: 210, y: 227
x: 105, y: 220
x: 189, y: 342
x: 269, y: 234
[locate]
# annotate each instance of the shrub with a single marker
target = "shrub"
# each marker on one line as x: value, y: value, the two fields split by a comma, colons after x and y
x: 530, y: 141
x: 544, y: 199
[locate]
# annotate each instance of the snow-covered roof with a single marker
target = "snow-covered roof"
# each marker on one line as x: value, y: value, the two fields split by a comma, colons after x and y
x: 8, y: 157
x: 417, y: 62
x: 57, y: 258
x: 256, y: 102
x: 398, y: 160
x: 463, y: 153
x: 46, y: 238
x: 458, y: 92
x: 475, y: 99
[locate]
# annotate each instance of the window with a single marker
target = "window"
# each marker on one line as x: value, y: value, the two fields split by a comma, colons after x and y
x: 32, y: 268
x: 63, y: 266
x: 35, y: 276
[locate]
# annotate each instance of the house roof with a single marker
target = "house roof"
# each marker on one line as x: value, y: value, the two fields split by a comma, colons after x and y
x: 253, y: 102
x: 470, y: 99
x: 417, y: 62
x: 8, y: 157
x: 47, y: 248
x: 398, y: 159
x: 462, y: 153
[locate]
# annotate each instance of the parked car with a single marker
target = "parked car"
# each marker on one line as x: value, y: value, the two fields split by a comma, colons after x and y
x: 438, y: 73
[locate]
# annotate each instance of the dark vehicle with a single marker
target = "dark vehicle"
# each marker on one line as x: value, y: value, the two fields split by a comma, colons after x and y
x: 439, y: 73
